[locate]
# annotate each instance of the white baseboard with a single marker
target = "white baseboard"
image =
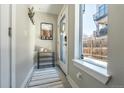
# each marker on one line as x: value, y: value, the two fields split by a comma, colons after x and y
x: 27, y: 78
x: 71, y: 81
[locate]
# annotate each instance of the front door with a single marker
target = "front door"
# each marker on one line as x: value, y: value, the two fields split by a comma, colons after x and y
x: 63, y: 45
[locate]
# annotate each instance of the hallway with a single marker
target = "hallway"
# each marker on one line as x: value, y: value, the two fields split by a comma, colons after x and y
x: 84, y: 42
x: 48, y: 78
x: 32, y: 34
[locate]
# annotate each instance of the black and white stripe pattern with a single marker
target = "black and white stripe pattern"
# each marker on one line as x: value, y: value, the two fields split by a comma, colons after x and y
x: 45, y: 78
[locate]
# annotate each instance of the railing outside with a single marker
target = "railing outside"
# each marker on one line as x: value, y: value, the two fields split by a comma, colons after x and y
x: 102, y: 12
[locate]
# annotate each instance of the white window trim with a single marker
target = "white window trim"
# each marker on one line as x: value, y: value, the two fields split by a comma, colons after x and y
x: 97, y: 72
x: 94, y: 68
x: 96, y: 62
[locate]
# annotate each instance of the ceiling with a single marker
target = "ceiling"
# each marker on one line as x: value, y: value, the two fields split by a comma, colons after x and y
x: 48, y: 8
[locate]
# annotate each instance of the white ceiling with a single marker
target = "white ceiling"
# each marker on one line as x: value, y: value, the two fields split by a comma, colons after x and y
x: 48, y: 8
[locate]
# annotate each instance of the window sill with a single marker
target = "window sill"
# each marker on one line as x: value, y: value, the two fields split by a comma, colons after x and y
x: 99, y: 73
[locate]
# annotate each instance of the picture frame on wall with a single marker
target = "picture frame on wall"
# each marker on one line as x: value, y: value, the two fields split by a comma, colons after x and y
x: 46, y: 31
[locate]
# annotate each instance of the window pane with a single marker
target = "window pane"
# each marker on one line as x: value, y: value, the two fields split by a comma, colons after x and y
x: 95, y: 28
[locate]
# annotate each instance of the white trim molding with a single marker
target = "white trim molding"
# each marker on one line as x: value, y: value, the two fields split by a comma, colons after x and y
x: 27, y: 78
x: 13, y: 46
x: 4, y: 46
x: 71, y: 81
x: 96, y: 72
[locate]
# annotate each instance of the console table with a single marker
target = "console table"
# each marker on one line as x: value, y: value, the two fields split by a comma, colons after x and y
x: 47, y: 56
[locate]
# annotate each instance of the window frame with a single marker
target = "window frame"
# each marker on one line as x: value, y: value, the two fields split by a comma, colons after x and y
x: 81, y: 11
x: 97, y: 70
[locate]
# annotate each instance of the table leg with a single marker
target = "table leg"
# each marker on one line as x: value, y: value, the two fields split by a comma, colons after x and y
x: 38, y: 60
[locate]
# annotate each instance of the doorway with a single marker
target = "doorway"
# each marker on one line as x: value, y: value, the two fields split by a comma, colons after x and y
x: 63, y: 44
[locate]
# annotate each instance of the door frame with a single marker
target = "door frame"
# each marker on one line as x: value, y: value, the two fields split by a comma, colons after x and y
x: 63, y: 13
x: 5, y: 46
x: 13, y: 46
x: 8, y: 55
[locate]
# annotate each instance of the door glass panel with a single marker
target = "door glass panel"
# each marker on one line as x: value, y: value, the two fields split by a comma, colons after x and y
x: 62, y: 40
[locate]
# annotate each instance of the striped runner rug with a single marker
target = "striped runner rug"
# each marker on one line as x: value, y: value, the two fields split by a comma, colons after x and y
x: 45, y: 78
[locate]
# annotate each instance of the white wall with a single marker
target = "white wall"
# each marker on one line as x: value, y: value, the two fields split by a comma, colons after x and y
x: 48, y: 18
x: 0, y: 47
x: 4, y: 46
x: 24, y: 44
x: 116, y: 53
x: 116, y: 45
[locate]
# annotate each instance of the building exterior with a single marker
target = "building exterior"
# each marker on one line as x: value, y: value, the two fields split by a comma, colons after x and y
x: 101, y: 20
x: 95, y: 46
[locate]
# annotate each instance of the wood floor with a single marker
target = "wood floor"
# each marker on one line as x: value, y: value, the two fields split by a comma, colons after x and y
x: 51, y: 77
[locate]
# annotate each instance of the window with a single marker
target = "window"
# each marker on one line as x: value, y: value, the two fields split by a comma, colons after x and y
x: 93, y: 32
x: 91, y: 48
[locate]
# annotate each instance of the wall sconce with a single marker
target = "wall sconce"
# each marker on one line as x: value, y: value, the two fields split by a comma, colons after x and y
x: 31, y: 14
